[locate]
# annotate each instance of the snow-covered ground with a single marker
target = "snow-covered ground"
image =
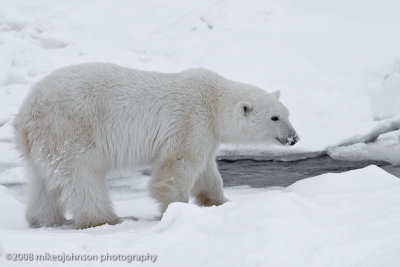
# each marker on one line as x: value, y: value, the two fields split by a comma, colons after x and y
x: 337, y: 65
x: 349, y: 219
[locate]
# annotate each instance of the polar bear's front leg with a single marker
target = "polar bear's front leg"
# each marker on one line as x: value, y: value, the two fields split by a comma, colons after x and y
x: 208, y: 189
x: 173, y: 180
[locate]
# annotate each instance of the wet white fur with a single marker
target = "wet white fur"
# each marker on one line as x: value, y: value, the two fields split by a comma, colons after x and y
x: 83, y: 121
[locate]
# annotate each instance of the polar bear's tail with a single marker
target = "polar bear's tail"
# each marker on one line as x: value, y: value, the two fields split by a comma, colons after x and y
x: 21, y: 136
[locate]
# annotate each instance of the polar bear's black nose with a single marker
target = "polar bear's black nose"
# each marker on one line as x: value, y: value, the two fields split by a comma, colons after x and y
x: 293, y: 139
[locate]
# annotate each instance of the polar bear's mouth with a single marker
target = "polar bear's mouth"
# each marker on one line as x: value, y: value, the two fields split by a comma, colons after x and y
x: 282, y: 141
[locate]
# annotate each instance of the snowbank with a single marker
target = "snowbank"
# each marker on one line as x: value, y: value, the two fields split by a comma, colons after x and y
x: 348, y: 219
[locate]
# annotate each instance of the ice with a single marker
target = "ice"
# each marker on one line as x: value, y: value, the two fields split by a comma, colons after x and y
x: 386, y: 148
x: 382, y: 143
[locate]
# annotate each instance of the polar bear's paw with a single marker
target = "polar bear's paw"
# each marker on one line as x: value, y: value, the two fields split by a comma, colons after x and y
x: 53, y: 222
x: 94, y: 222
x: 204, y: 199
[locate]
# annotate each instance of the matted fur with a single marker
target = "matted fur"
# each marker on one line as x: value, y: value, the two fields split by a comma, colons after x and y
x: 83, y: 121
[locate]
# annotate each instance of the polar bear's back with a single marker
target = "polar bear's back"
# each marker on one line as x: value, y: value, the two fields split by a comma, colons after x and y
x: 101, y: 81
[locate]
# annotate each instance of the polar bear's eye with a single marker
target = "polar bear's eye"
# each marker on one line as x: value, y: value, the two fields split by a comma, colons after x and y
x: 275, y: 118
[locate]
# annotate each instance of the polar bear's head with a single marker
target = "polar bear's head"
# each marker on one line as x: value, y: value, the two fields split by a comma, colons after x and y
x: 251, y: 115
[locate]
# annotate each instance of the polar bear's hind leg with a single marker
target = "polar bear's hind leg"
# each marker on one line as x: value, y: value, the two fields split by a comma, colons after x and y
x: 43, y: 204
x: 87, y: 196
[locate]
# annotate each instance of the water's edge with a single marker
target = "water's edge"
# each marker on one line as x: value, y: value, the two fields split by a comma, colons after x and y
x: 263, y: 172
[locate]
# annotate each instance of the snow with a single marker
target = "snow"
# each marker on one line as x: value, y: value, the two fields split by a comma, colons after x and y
x: 10, y: 206
x: 337, y: 66
x: 348, y: 219
x: 327, y: 57
x: 385, y: 102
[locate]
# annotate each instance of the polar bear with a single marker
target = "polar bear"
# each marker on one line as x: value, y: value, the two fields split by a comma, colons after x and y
x: 83, y: 121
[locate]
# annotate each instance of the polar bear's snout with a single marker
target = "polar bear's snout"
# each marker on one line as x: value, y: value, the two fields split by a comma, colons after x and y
x: 292, y: 140
x: 288, y: 135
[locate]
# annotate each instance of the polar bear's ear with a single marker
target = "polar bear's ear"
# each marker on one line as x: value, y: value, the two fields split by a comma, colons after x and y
x: 277, y: 94
x: 246, y: 108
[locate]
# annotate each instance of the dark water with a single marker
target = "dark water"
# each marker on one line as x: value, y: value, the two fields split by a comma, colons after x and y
x: 264, y: 173
x: 258, y: 172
